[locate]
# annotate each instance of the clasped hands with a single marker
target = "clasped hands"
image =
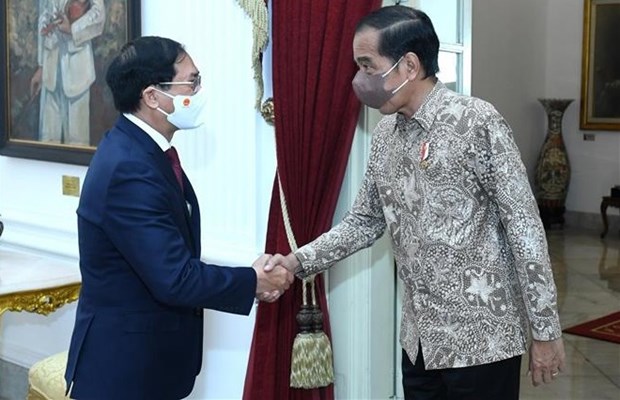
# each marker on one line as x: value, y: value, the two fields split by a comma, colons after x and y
x: 274, y: 275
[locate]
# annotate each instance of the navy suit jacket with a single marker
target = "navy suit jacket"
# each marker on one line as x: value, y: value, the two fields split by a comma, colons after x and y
x: 139, y: 325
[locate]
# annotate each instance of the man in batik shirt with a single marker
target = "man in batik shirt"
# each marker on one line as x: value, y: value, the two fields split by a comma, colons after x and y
x: 445, y: 178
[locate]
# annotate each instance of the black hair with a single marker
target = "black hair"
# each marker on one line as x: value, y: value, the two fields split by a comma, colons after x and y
x: 142, y: 62
x: 402, y: 30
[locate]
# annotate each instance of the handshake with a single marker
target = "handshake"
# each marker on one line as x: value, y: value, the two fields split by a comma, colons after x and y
x: 274, y: 275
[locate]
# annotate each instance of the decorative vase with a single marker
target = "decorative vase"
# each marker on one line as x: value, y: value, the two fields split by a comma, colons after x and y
x: 553, y: 168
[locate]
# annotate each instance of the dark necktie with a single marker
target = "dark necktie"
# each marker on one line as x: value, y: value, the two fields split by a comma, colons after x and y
x: 173, y: 156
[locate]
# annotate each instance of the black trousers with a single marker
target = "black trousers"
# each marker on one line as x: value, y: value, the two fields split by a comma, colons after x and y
x: 498, y: 380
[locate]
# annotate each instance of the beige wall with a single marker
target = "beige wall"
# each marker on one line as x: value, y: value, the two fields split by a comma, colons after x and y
x: 508, y: 66
x: 595, y: 165
x: 527, y: 49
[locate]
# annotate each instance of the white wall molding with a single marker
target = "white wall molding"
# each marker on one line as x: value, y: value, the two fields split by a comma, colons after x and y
x: 27, y: 338
x: 20, y: 355
x: 361, y: 296
x: 39, y: 233
x: 351, y: 334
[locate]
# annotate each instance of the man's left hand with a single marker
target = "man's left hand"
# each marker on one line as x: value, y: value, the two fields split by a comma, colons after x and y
x: 546, y: 360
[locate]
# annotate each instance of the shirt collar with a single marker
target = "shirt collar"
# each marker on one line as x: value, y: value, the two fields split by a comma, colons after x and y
x: 428, y: 110
x: 149, y: 130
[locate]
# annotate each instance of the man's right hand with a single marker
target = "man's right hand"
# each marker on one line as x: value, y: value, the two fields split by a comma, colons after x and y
x: 277, y: 279
x: 290, y: 262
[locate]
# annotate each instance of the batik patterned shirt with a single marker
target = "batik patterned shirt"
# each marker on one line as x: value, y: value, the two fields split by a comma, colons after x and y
x: 451, y: 189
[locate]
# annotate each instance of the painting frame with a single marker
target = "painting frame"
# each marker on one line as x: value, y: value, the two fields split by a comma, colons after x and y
x: 18, y: 138
x: 600, y: 73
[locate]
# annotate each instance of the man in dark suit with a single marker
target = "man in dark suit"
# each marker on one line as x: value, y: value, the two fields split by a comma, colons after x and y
x: 139, y: 325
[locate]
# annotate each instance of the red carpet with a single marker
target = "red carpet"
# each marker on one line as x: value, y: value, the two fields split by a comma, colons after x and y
x: 604, y: 328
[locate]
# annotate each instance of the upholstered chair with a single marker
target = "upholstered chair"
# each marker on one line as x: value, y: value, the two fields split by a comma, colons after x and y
x: 46, y: 378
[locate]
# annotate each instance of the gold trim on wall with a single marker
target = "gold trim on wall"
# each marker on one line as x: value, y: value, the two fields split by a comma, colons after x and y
x: 600, y: 71
x: 40, y: 301
x: 268, y: 111
x: 258, y: 13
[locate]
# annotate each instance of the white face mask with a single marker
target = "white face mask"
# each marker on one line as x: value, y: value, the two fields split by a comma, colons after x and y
x: 188, y: 111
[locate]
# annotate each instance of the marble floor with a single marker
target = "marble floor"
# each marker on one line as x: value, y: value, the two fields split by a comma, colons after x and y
x: 587, y: 275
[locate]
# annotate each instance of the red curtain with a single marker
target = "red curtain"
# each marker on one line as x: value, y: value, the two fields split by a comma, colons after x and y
x: 316, y: 113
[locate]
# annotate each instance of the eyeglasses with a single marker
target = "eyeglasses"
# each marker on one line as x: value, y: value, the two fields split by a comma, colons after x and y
x: 193, y: 84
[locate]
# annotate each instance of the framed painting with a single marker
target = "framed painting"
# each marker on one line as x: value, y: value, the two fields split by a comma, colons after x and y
x: 53, y: 57
x: 600, y: 73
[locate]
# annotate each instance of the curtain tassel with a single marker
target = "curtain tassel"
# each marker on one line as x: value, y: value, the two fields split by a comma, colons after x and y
x: 312, y: 360
x: 258, y: 13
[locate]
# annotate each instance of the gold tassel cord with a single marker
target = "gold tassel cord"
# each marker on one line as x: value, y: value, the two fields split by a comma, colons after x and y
x: 312, y: 359
x: 258, y: 13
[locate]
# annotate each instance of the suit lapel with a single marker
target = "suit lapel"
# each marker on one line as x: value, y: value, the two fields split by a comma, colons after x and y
x: 145, y: 142
x: 190, y: 225
x: 193, y: 219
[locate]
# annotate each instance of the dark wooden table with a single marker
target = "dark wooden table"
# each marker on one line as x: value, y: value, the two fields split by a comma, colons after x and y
x: 608, y: 201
